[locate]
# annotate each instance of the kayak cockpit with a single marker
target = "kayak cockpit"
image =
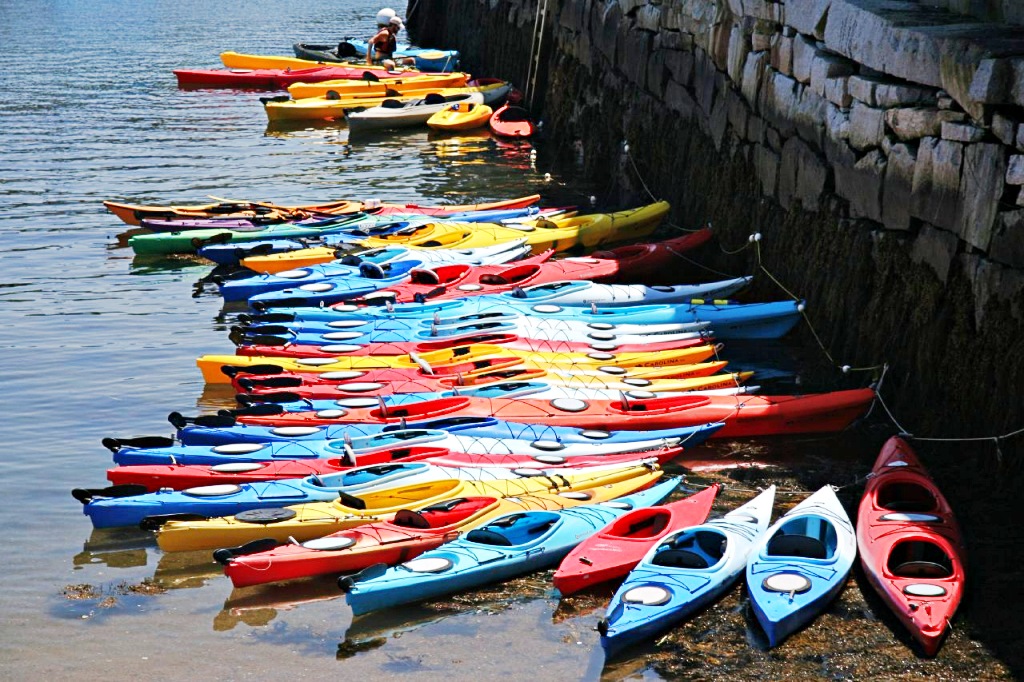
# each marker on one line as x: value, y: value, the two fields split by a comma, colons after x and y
x: 697, y: 549
x: 905, y: 496
x: 640, y: 524
x: 807, y: 537
x: 919, y: 559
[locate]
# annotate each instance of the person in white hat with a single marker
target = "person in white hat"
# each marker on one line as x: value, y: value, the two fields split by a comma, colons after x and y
x: 382, y: 45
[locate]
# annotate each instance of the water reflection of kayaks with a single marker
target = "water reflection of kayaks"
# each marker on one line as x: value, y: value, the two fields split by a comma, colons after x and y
x: 507, y: 546
x: 800, y: 564
x: 685, y: 572
x: 910, y: 544
x: 408, y: 535
x: 613, y: 551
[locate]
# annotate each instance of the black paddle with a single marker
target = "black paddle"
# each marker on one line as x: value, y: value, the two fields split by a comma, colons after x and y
x: 154, y: 522
x: 115, y: 444
x: 87, y: 495
x: 347, y: 582
x: 225, y: 555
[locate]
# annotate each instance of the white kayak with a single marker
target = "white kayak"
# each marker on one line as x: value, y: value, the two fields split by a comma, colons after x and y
x: 395, y: 114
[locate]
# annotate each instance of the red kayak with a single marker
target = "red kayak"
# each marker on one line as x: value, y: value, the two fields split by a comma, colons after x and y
x: 458, y: 281
x: 281, y: 347
x: 369, y: 385
x: 267, y: 79
x: 408, y: 535
x: 644, y: 263
x: 743, y: 415
x: 910, y: 544
x: 512, y: 122
x: 182, y: 476
x: 614, y: 550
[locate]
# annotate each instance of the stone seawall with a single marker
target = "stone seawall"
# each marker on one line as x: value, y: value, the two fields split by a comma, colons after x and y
x: 877, y: 145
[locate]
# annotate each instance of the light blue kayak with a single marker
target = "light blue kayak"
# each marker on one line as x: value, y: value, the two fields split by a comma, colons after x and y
x: 368, y: 278
x: 308, y: 441
x: 506, y: 547
x: 801, y: 564
x: 728, y: 319
x: 684, y: 573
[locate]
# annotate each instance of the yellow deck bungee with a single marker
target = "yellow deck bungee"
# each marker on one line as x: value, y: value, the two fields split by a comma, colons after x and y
x: 317, y: 519
x: 211, y: 365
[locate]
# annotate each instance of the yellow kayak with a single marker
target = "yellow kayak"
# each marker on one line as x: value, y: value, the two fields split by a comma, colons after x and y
x: 329, y: 107
x: 561, y: 234
x: 461, y: 116
x: 322, y: 518
x: 211, y: 365
x: 237, y: 60
x: 383, y: 87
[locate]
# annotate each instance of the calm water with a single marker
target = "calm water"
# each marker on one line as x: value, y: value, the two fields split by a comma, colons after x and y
x: 93, y: 344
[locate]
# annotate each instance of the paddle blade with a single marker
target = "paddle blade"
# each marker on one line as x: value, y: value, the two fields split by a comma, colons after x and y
x: 225, y: 555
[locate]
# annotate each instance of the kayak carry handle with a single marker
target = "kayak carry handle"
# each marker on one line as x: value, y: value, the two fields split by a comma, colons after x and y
x: 115, y: 444
x: 224, y: 555
x: 154, y: 522
x: 87, y: 495
x: 347, y: 582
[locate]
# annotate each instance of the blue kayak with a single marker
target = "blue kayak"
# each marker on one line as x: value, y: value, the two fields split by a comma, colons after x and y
x: 435, y: 61
x: 243, y: 288
x: 729, y: 320
x: 227, y: 499
x: 506, y: 547
x: 370, y: 277
x: 684, y: 573
x: 800, y: 564
x: 245, y: 443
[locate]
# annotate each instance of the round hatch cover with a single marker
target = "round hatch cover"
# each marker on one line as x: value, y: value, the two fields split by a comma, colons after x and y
x: 924, y: 590
x: 637, y: 382
x: 910, y: 517
x: 595, y: 434
x: 212, y: 490
x: 786, y: 583
x: 236, y: 467
x: 238, y: 448
x: 547, y: 308
x: 604, y: 346
x: 648, y: 595
x: 601, y: 336
x: 603, y: 326
x: 293, y: 274
x: 600, y: 356
x: 335, y: 376
x: 640, y: 395
x: 315, y: 362
x: 357, y: 387
x: 575, y: 495
x: 341, y: 336
x: 569, y: 404
x: 316, y: 287
x: 469, y: 287
x: 340, y: 348
x: 265, y: 516
x: 330, y: 414
x: 345, y: 308
x: 616, y: 504
x: 295, y: 431
x: 357, y: 402
x: 550, y: 459
x: 345, y: 324
x: 549, y: 445
x: 329, y: 544
x: 428, y: 565
x: 897, y: 463
x: 528, y: 473
x: 611, y: 369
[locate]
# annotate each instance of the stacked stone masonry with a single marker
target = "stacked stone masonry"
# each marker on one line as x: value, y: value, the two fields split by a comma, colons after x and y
x: 901, y: 118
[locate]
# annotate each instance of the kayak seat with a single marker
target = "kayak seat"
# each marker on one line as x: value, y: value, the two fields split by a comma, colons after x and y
x: 648, y: 527
x: 434, y: 98
x: 391, y: 104
x: 797, y: 546
x: 493, y: 279
x: 488, y: 537
x: 408, y: 518
x: 679, y: 558
x: 906, y: 497
x: 918, y: 559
